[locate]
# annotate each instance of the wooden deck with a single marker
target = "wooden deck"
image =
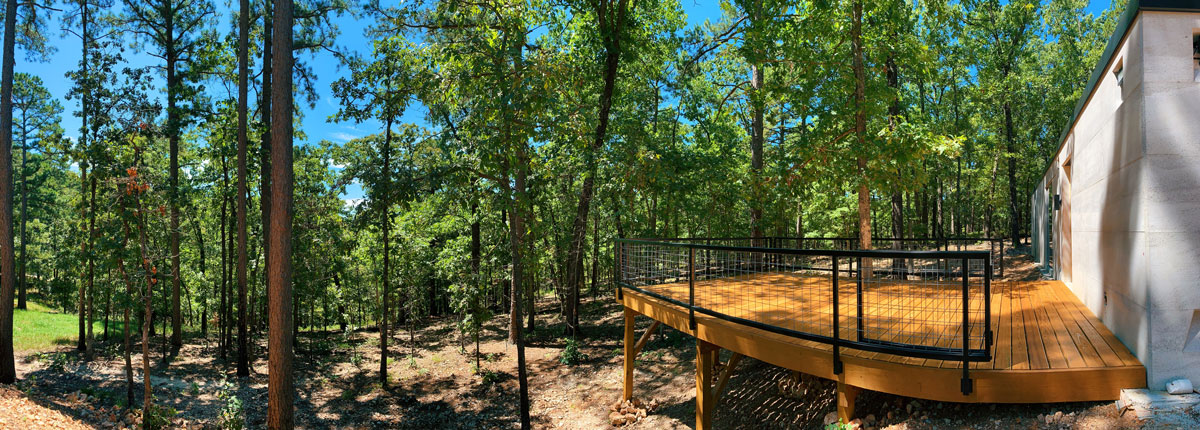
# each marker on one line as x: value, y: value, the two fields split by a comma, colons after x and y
x: 1048, y: 347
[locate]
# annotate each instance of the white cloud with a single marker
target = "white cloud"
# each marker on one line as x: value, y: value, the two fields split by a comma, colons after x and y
x: 342, y: 137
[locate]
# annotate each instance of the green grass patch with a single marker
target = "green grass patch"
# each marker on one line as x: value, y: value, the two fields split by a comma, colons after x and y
x: 40, y: 328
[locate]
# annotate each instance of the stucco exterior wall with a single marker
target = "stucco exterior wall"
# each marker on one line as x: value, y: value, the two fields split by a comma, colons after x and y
x: 1127, y: 239
x: 1171, y: 194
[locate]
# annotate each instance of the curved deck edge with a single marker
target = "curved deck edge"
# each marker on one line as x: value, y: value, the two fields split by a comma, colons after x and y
x: 940, y: 384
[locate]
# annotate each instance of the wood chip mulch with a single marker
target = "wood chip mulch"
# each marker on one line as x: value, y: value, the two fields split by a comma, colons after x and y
x: 18, y: 411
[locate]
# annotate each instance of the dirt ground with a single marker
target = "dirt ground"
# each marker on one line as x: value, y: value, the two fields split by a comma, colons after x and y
x: 434, y: 386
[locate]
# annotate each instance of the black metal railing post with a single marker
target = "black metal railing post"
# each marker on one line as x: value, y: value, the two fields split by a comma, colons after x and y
x: 618, y: 268
x: 692, y: 288
x: 1001, y: 258
x: 987, y: 305
x: 837, y: 338
x: 966, y: 328
x: 859, y: 293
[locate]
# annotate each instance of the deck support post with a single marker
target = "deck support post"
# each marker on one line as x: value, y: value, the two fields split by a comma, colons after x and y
x: 846, y: 396
x: 630, y: 353
x: 705, y: 358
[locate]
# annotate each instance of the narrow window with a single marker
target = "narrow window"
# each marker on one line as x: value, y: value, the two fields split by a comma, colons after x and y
x: 1119, y: 72
x: 1196, y: 56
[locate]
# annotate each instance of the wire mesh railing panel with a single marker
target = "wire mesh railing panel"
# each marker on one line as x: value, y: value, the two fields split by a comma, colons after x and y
x: 995, y: 247
x: 920, y: 303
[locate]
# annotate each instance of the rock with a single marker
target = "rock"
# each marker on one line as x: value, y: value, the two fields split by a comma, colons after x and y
x: 1179, y: 386
x: 616, y: 419
x: 831, y: 418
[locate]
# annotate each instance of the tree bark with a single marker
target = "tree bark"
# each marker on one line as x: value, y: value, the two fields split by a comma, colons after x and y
x: 173, y: 142
x: 222, y: 323
x: 757, y: 136
x: 243, y: 363
x: 129, y: 385
x: 860, y: 128
x: 1014, y: 220
x: 280, y: 391
x: 91, y: 264
x: 8, y: 372
x: 22, y: 280
x: 385, y: 222
x: 264, y: 150
x: 517, y: 237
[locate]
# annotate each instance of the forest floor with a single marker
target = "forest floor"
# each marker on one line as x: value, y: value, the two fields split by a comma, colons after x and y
x: 434, y: 386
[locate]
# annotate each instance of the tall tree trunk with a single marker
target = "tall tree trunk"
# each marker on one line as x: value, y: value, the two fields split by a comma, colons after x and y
x: 385, y: 223
x: 264, y: 150
x: 243, y: 362
x: 91, y: 264
x: 222, y: 346
x: 860, y: 128
x: 1014, y: 220
x: 203, y: 294
x: 81, y: 345
x: 22, y: 280
x: 8, y: 372
x: 279, y: 387
x: 129, y: 290
x: 612, y: 25
x: 757, y: 136
x: 85, y: 253
x: 173, y: 127
x: 517, y: 236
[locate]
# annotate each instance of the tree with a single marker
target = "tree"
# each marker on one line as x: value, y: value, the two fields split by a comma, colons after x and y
x: 8, y: 373
x: 39, y: 115
x: 279, y: 253
x: 176, y: 28
x: 243, y: 359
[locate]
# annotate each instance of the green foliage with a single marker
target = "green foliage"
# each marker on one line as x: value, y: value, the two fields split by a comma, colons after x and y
x: 233, y: 414
x: 840, y: 425
x: 160, y: 416
x: 570, y: 354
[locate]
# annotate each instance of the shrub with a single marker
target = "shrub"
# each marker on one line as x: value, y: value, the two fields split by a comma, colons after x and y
x: 571, y: 355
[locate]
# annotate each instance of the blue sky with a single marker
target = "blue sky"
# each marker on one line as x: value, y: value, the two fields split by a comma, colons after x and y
x: 327, y: 69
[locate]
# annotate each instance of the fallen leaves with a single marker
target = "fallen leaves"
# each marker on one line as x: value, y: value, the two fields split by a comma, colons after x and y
x: 18, y: 411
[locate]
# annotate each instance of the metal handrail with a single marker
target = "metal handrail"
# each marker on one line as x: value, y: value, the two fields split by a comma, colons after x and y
x: 966, y: 354
x: 995, y: 245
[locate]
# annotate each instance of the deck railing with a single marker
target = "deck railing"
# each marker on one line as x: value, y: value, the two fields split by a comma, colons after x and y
x: 994, y: 246
x: 922, y: 304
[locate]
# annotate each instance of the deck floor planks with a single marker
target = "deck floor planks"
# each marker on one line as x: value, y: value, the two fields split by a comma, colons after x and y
x: 1036, y: 325
x: 1070, y: 321
x: 1101, y: 367
x: 1109, y: 338
x: 1066, y: 343
x: 1108, y: 357
x: 1002, y: 341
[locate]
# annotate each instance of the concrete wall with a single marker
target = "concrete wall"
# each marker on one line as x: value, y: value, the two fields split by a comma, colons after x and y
x: 1130, y: 237
x: 1171, y: 194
